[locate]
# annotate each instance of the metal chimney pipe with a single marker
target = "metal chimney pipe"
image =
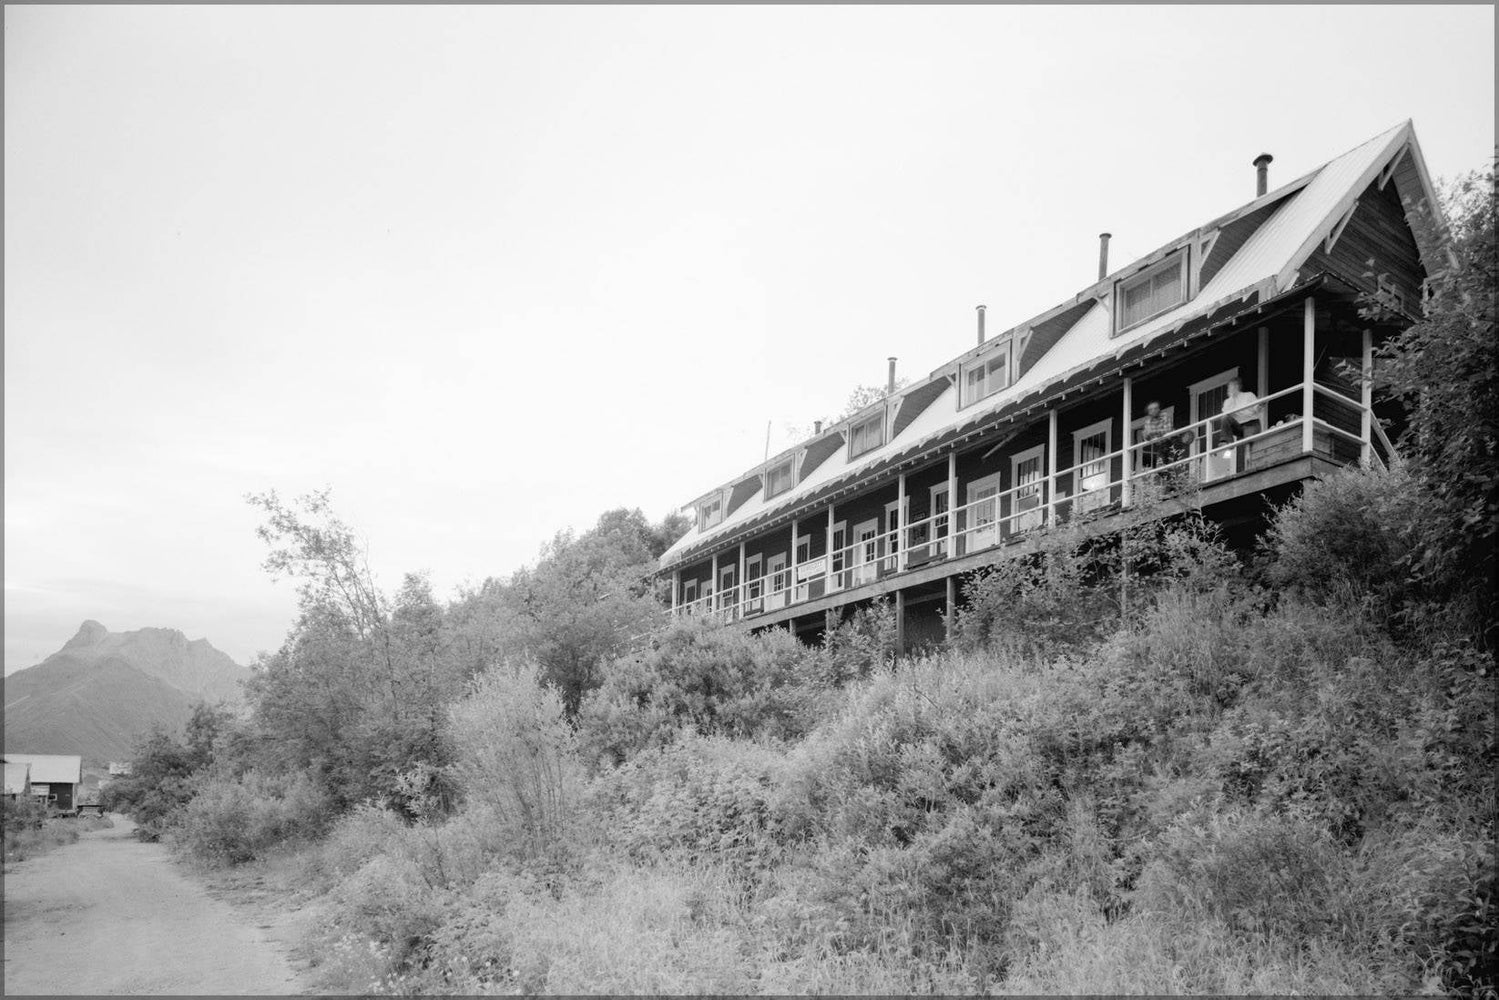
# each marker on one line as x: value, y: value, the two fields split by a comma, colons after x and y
x: 816, y: 427
x: 981, y: 325
x: 1103, y: 255
x: 890, y: 385
x: 1262, y: 173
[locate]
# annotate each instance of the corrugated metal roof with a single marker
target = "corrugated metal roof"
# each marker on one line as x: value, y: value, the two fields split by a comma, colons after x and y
x: 50, y: 768
x: 16, y: 778
x: 1263, y: 266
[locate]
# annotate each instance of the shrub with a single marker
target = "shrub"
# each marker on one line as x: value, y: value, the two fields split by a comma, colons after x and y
x: 1351, y: 536
x: 1259, y: 874
x: 234, y: 821
x: 516, y: 758
x: 702, y: 675
x: 699, y: 799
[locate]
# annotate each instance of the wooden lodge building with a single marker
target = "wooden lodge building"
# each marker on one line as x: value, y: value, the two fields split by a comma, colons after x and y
x: 1042, y: 423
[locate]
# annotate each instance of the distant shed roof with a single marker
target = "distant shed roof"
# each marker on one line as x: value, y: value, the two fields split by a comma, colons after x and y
x: 48, y: 768
x: 16, y: 778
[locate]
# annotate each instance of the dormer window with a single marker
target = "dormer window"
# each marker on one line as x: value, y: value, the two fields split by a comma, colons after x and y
x: 1152, y: 292
x: 780, y: 477
x: 866, y: 435
x: 986, y: 375
x: 709, y: 513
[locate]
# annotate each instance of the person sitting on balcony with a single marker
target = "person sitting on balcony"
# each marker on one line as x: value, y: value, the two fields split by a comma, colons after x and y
x: 1241, y: 418
x: 1153, y: 432
x: 1241, y: 415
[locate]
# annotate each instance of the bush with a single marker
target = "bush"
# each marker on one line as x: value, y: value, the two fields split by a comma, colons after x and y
x: 699, y: 799
x: 701, y: 675
x: 516, y: 758
x: 234, y: 821
x: 1350, y: 536
x: 1259, y: 874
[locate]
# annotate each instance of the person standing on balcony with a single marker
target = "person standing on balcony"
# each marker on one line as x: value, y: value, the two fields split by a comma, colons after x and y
x: 1153, y: 432
x: 1241, y: 417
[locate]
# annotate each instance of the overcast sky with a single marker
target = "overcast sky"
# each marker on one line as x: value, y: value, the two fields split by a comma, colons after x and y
x: 490, y: 271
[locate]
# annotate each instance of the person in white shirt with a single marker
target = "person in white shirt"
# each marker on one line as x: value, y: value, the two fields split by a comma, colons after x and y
x: 1242, y: 417
x: 1241, y: 412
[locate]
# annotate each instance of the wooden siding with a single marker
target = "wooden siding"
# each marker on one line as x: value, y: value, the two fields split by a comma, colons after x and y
x: 1377, y: 240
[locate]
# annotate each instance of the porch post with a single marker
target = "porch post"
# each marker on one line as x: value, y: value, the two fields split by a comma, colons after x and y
x: 676, y: 590
x: 739, y: 580
x: 830, y: 581
x: 949, y: 611
x: 900, y: 622
x: 713, y: 601
x: 901, y: 536
x: 791, y: 562
x: 1129, y: 409
x: 1366, y: 446
x: 1051, y: 466
x: 952, y: 504
x: 1308, y: 362
x: 1262, y: 362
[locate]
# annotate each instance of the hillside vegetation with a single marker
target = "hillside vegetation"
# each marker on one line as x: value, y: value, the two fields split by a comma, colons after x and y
x: 1143, y: 765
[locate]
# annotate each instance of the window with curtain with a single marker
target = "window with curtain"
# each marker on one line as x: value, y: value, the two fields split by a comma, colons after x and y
x: 780, y: 478
x: 987, y: 375
x: 1156, y: 290
x: 866, y: 435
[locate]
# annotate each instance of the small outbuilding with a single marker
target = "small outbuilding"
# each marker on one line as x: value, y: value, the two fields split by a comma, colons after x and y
x: 17, y: 780
x: 54, y: 778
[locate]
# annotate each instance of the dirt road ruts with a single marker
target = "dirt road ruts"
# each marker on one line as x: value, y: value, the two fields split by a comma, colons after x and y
x: 112, y: 915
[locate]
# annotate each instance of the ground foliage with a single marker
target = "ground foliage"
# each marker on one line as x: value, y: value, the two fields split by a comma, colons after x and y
x: 1142, y: 764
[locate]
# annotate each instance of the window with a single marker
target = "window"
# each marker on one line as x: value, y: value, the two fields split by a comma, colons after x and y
x: 1152, y: 292
x: 1029, y: 475
x: 780, y: 478
x: 1090, y: 448
x: 866, y: 435
x: 709, y: 513
x: 986, y: 375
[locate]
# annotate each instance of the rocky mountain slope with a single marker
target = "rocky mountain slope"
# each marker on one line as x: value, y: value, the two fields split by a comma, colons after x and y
x: 103, y: 690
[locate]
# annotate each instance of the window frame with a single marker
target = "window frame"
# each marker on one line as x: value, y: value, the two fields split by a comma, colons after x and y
x: 703, y: 523
x: 1002, y: 348
x: 1176, y: 258
x: 789, y: 465
x: 878, y: 419
x: 1094, y: 496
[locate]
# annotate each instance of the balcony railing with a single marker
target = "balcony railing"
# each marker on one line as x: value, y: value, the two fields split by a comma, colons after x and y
x: 1190, y: 456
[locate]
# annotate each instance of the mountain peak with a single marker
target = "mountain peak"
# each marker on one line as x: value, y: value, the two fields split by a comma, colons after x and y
x: 90, y: 633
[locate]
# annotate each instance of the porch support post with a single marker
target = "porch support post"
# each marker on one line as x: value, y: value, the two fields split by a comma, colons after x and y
x: 1051, y: 466
x: 676, y: 590
x: 1262, y: 368
x: 791, y: 562
x: 1308, y: 362
x: 1129, y: 410
x: 1367, y: 398
x: 901, y: 535
x: 830, y: 581
x: 949, y: 610
x: 739, y: 580
x: 713, y: 602
x: 900, y: 622
x: 952, y: 504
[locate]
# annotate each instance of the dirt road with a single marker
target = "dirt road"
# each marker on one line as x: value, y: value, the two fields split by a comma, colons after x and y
x: 112, y: 915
